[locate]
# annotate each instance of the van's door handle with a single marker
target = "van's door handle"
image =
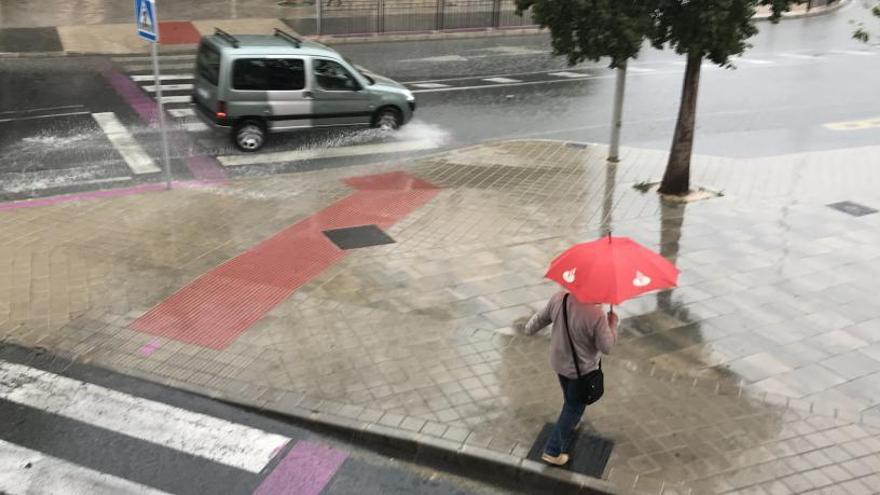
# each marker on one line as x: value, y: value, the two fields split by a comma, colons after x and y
x: 307, y: 94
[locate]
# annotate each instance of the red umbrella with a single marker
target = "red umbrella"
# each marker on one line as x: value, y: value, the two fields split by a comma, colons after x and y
x: 611, y: 270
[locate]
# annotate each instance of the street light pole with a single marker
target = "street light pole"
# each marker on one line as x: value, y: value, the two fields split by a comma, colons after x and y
x: 617, y: 115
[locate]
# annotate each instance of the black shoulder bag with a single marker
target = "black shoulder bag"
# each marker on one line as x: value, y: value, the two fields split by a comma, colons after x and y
x: 591, y: 386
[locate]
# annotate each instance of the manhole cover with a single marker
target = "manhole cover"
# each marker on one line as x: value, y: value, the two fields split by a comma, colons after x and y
x: 358, y: 237
x: 589, y: 454
x: 853, y: 209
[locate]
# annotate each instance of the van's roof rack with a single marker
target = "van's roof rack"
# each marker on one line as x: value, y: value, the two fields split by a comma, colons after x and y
x: 232, y: 40
x: 289, y: 37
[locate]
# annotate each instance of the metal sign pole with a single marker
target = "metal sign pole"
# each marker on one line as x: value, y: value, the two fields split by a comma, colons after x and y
x: 161, y: 115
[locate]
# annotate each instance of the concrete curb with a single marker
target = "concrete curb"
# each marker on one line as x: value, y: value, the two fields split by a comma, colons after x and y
x: 815, y: 12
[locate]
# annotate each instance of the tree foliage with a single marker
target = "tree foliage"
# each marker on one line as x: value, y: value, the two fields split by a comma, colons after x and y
x: 593, y: 29
x: 862, y: 33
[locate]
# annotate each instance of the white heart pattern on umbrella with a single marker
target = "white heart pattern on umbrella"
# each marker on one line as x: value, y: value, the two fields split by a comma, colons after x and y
x: 641, y: 280
x: 569, y: 276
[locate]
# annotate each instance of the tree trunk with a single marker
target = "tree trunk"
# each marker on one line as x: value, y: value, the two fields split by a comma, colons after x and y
x: 677, y: 178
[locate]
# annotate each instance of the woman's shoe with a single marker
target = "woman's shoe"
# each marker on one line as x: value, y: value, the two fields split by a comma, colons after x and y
x: 558, y: 460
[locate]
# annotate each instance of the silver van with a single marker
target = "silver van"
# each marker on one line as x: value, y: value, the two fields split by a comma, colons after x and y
x: 252, y: 85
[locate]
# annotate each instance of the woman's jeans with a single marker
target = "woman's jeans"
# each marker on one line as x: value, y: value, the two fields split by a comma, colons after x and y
x: 572, y: 410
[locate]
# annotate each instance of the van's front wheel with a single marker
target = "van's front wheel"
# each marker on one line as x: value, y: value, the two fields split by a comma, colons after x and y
x: 249, y: 135
x: 388, y: 119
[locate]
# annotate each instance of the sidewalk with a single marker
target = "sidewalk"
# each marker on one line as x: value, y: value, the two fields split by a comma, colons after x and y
x: 82, y: 35
x: 759, y: 370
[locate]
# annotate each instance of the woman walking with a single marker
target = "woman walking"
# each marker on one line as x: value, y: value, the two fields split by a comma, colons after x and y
x: 581, y: 333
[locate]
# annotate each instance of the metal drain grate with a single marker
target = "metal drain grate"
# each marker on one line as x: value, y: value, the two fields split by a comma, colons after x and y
x: 851, y: 208
x: 358, y: 237
x: 589, y: 453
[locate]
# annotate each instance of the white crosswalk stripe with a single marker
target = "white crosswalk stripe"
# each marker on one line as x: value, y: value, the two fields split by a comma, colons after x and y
x: 125, y: 143
x: 168, y: 87
x: 181, y: 113
x: 28, y: 472
x: 196, y: 434
x: 502, y: 80
x: 571, y: 75
x: 162, y: 77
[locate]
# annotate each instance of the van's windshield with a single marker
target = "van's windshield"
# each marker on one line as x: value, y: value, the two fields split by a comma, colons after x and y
x: 360, y: 70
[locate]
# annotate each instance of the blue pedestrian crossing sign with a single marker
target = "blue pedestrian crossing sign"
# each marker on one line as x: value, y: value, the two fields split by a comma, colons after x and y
x: 145, y: 17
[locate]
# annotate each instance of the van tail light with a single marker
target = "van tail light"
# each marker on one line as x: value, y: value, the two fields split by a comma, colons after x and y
x: 221, y: 110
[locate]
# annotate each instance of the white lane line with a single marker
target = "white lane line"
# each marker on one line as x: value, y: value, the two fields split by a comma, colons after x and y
x: 430, y: 85
x: 195, y: 127
x: 38, y: 110
x: 138, y: 161
x: 36, y: 117
x: 492, y: 86
x: 862, y: 53
x: 631, y: 68
x: 148, y: 59
x: 799, y: 56
x: 566, y: 74
x: 162, y: 77
x: 25, y: 471
x: 756, y: 61
x: 502, y: 80
x: 149, y: 67
x: 181, y: 112
x: 196, y: 434
x: 168, y: 87
x: 176, y: 99
x: 318, y: 153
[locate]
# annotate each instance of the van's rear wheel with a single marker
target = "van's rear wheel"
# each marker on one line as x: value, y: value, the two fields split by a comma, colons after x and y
x: 388, y: 119
x: 249, y: 135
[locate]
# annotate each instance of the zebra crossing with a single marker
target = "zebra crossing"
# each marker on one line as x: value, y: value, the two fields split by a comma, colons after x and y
x: 139, y: 439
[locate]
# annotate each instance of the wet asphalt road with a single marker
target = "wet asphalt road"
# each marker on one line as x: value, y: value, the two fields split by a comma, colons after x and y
x: 800, y: 76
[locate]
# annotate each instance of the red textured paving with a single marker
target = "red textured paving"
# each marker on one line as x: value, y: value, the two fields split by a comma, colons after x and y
x: 178, y: 33
x: 217, y: 307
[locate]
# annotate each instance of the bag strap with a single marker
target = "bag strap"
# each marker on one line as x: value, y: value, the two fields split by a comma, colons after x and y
x: 571, y: 342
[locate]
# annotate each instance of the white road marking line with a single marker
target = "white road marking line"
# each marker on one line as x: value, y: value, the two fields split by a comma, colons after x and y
x: 799, y: 56
x: 862, y: 53
x: 502, y: 80
x: 631, y: 68
x: 492, y: 86
x: 430, y: 85
x: 168, y: 87
x: 162, y: 77
x: 149, y: 67
x: 25, y: 471
x: 195, y: 127
x: 36, y: 117
x: 176, y: 99
x: 196, y: 434
x: 138, y: 161
x: 438, y: 59
x: 148, y: 59
x: 756, y: 61
x: 318, y: 153
x: 853, y: 125
x: 31, y: 181
x: 181, y: 112
x: 37, y: 110
x: 567, y: 74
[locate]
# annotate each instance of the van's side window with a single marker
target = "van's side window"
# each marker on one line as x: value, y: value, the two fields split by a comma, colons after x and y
x: 268, y: 74
x: 333, y: 77
x: 208, y: 63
